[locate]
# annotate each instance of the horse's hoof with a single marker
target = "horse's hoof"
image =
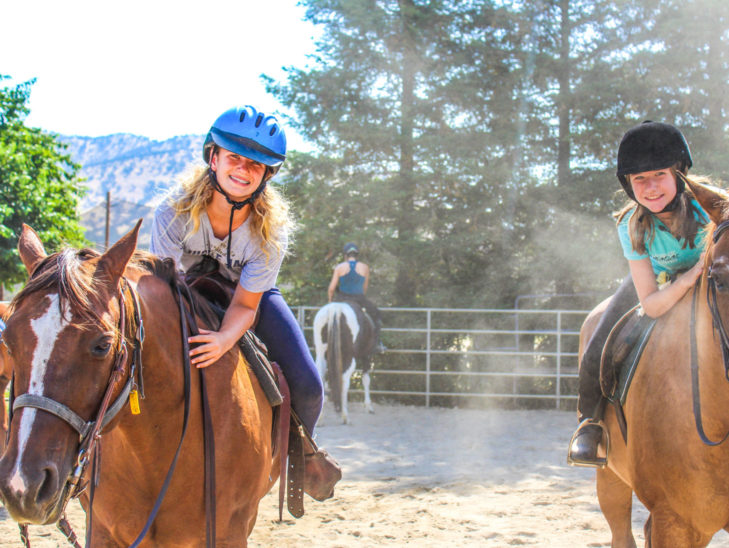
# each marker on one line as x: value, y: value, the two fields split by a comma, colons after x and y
x: 370, y: 410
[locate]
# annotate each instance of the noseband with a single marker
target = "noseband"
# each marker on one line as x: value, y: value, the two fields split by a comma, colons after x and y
x: 90, y: 432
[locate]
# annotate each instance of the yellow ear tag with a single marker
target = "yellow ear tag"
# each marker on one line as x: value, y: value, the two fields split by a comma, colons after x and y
x: 134, y: 402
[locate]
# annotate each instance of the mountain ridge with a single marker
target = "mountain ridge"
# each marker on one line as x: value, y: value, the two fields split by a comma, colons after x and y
x: 136, y: 171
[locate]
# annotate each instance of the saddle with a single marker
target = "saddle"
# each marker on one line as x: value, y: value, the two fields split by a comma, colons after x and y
x: 620, y: 357
x: 306, y: 468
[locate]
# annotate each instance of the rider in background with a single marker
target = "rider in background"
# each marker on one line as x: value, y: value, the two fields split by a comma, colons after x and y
x: 661, y: 232
x: 353, y: 277
x: 226, y: 211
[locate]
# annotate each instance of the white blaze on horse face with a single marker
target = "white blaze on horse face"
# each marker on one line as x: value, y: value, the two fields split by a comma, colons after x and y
x: 46, y: 330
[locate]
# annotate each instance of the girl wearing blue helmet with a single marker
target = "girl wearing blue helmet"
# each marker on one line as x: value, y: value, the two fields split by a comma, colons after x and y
x: 226, y: 211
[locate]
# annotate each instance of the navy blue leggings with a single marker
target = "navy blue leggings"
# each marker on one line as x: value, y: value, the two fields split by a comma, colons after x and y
x: 278, y: 329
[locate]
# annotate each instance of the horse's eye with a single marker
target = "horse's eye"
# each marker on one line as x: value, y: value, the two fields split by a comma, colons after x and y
x: 101, y: 347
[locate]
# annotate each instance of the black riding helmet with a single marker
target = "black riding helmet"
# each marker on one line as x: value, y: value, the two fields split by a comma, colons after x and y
x: 651, y: 146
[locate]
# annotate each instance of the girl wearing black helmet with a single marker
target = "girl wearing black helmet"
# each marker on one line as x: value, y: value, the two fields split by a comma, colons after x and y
x: 661, y: 233
x: 226, y: 211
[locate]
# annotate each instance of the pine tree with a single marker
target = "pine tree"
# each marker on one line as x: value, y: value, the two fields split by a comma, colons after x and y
x: 412, y: 105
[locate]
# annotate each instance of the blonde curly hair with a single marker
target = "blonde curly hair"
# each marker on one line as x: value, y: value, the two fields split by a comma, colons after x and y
x: 270, y: 218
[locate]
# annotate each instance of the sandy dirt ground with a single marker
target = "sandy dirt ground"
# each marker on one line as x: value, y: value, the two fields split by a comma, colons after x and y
x: 434, y: 477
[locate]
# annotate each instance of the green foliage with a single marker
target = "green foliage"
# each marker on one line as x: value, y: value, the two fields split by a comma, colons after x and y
x: 38, y: 185
x: 469, y: 147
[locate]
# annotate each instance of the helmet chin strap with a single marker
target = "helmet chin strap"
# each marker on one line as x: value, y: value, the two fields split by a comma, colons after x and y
x: 234, y: 206
x: 680, y: 187
x: 673, y: 204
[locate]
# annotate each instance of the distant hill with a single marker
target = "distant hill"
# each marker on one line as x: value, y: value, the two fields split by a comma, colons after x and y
x: 137, y: 171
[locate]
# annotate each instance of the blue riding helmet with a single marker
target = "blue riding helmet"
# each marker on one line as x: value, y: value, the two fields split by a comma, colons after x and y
x: 350, y: 248
x: 250, y: 133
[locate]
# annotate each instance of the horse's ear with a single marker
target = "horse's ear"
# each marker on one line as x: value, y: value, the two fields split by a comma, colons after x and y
x: 713, y: 200
x: 112, y: 263
x: 30, y: 248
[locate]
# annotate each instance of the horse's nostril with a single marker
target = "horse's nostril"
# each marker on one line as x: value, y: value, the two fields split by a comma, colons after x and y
x: 49, y: 486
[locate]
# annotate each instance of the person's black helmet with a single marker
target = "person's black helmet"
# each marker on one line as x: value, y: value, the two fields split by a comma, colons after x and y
x: 351, y: 248
x: 650, y: 146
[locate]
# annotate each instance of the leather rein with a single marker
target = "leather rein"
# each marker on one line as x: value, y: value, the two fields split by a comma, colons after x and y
x: 718, y: 325
x: 90, y: 432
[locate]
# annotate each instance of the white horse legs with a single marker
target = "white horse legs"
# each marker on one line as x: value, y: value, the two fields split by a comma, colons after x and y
x: 366, y: 386
x: 346, y: 378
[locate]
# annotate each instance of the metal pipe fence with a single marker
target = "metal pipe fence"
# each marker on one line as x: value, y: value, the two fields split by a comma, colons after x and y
x: 447, y: 356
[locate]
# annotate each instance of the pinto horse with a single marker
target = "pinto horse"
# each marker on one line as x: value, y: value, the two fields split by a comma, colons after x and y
x: 344, y: 337
x: 75, y: 341
x: 677, y: 411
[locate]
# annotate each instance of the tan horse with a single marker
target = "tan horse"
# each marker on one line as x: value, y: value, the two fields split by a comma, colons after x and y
x: 683, y: 482
x: 64, y: 339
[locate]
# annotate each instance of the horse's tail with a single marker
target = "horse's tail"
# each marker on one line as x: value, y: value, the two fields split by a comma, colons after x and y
x: 334, y: 356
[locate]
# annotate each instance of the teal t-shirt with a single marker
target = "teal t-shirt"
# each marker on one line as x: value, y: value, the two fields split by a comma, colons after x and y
x: 667, y: 254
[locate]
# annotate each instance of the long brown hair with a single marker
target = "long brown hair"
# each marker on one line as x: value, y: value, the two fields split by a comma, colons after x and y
x: 684, y: 223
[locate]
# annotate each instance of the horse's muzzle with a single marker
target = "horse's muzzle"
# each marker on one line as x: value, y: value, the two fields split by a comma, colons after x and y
x: 32, y: 492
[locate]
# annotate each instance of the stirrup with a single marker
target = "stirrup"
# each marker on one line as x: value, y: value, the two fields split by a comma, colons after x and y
x: 596, y: 461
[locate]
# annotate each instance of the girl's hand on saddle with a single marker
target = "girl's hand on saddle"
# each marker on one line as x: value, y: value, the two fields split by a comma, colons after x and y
x: 212, y: 345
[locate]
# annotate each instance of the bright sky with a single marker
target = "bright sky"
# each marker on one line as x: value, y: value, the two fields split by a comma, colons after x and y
x: 156, y: 68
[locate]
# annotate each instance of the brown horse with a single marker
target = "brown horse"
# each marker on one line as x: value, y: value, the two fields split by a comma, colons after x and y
x: 682, y: 481
x: 5, y: 373
x: 65, y: 338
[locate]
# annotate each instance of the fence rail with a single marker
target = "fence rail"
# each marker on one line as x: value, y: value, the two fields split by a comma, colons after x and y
x: 448, y: 354
x: 452, y: 355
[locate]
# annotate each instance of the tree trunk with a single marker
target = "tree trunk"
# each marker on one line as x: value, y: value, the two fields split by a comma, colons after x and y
x: 405, y: 290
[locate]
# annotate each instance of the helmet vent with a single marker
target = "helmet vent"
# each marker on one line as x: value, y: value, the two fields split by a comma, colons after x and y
x: 242, y: 116
x: 259, y: 120
x: 273, y: 130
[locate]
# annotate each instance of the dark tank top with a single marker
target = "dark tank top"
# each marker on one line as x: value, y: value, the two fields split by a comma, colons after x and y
x: 352, y: 283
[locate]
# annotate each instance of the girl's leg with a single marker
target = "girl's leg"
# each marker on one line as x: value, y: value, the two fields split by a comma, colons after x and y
x: 585, y: 441
x: 589, y: 392
x: 278, y: 329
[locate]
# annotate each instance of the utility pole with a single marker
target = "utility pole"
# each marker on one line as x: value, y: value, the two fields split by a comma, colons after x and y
x: 108, y: 214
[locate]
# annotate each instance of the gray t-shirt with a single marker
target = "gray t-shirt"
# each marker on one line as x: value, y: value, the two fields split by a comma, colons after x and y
x: 255, y: 271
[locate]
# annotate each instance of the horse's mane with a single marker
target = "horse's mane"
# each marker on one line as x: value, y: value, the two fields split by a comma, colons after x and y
x: 71, y: 273
x: 708, y: 242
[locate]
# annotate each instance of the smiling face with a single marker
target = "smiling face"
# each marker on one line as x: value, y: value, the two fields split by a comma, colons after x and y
x: 654, y: 189
x: 237, y: 175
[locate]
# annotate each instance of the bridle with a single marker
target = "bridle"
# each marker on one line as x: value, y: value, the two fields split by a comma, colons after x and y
x: 90, y: 432
x: 718, y: 325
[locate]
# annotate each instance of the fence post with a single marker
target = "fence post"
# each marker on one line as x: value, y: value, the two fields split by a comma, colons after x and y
x: 558, y: 393
x: 427, y: 361
x: 300, y: 316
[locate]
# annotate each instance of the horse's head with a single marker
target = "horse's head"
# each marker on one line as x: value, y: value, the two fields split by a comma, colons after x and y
x: 63, y: 339
x: 716, y: 205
